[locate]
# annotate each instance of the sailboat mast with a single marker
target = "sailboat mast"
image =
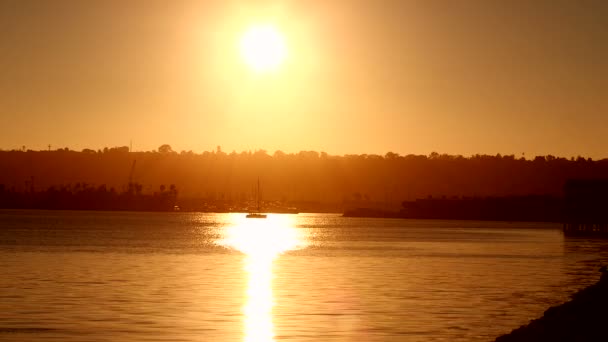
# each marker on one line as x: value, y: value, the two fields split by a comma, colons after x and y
x: 258, y: 194
x: 257, y: 214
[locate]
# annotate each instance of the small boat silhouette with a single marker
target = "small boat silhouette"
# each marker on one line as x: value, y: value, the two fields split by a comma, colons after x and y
x: 257, y: 213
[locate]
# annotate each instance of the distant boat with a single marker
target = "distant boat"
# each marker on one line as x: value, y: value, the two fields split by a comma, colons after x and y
x: 257, y: 213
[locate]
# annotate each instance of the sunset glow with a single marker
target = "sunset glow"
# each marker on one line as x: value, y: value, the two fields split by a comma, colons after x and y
x: 367, y: 77
x: 296, y: 170
x: 263, y: 48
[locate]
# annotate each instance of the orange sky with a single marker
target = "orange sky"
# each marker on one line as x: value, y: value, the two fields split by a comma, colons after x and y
x: 458, y: 77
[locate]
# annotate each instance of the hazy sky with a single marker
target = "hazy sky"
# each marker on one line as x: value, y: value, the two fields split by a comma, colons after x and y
x: 458, y: 77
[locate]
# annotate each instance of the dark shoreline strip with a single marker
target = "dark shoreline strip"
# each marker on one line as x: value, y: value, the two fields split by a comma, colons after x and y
x: 582, y: 319
x: 9, y: 330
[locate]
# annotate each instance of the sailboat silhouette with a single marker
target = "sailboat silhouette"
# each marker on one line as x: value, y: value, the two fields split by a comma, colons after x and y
x: 257, y: 213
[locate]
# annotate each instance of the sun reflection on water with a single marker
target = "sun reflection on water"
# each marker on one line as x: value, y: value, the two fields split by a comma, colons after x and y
x: 261, y: 240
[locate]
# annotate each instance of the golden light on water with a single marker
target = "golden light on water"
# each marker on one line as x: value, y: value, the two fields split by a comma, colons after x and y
x: 263, y: 48
x: 261, y: 240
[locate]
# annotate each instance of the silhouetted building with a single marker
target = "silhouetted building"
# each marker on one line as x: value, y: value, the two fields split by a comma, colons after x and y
x: 586, y: 207
x: 508, y: 208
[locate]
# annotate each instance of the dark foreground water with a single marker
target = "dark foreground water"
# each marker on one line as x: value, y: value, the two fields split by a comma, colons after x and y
x: 106, y: 276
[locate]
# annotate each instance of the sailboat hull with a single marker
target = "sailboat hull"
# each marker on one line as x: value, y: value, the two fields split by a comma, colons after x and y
x: 256, y: 216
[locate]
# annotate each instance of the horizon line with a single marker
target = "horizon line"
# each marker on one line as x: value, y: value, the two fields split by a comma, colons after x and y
x: 218, y: 150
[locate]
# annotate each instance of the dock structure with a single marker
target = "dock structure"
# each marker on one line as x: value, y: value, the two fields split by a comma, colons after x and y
x: 586, y: 207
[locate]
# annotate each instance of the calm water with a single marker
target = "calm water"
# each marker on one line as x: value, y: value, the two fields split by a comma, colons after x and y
x: 98, y: 276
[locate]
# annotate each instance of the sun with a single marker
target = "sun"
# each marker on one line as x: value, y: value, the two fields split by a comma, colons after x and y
x: 263, y: 48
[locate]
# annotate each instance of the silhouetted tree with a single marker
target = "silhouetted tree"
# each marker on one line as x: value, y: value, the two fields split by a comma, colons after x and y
x: 165, y: 149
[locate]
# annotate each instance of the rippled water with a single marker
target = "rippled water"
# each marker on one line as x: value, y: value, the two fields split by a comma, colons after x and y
x: 99, y: 276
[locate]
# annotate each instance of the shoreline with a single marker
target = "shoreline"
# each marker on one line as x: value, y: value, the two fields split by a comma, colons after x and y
x: 456, y: 216
x: 582, y: 319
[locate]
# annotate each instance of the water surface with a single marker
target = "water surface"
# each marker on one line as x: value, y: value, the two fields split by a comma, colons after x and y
x: 115, y: 276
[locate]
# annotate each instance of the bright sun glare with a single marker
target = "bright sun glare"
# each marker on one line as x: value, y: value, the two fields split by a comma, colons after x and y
x: 261, y: 241
x: 263, y: 48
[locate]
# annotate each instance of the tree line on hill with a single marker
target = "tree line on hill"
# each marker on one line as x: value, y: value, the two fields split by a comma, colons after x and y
x: 312, y: 177
x: 82, y: 196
